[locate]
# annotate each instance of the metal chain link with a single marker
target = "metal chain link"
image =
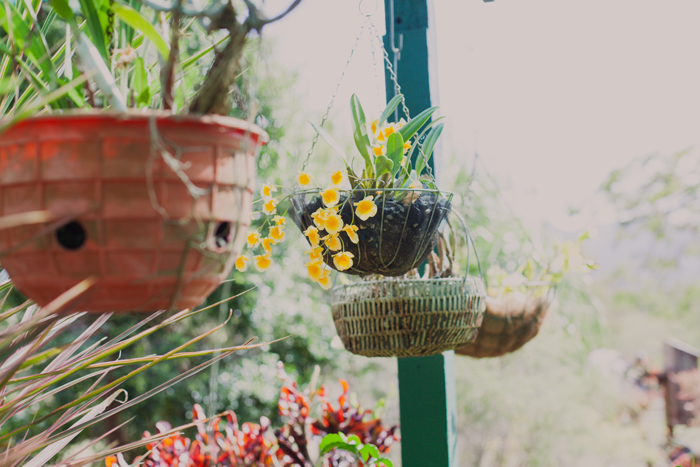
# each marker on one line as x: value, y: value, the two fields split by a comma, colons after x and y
x: 390, y: 67
x: 373, y: 48
x: 110, y: 27
x: 330, y: 105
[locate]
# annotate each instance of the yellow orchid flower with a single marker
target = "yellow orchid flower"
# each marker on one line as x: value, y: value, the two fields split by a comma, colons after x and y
x: 380, y: 137
x: 351, y: 230
x: 343, y: 260
x: 253, y: 238
x: 379, y: 150
x: 319, y: 218
x: 279, y: 220
x: 304, y: 179
x: 374, y: 127
x: 242, y: 263
x: 263, y: 262
x: 315, y: 269
x: 330, y: 197
x: 337, y: 177
x: 406, y: 146
x: 333, y: 223
x: 313, y: 236
x: 325, y: 280
x: 366, y: 208
x: 333, y: 242
x: 270, y: 206
x: 266, y: 244
x: 267, y: 190
x: 315, y: 253
x: 388, y: 131
x: 277, y: 233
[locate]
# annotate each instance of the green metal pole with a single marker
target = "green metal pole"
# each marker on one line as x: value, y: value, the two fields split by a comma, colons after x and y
x: 428, y: 406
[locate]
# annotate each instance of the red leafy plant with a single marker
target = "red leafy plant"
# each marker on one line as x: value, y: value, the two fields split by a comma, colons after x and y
x: 223, y: 443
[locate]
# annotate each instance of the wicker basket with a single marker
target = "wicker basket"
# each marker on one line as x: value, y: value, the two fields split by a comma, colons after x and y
x: 408, y: 318
x: 508, y: 325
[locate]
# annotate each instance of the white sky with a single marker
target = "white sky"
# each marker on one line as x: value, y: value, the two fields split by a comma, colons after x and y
x: 554, y: 94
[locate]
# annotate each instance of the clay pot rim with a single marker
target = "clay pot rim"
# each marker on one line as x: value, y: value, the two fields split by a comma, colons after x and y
x: 136, y: 115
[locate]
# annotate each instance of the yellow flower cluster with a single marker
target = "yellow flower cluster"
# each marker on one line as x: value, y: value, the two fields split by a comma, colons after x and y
x: 328, y: 220
x: 381, y: 135
x: 254, y: 239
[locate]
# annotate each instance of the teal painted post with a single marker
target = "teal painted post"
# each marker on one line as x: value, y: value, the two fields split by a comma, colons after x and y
x: 428, y: 406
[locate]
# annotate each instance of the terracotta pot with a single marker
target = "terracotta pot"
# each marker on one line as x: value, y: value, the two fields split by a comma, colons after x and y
x: 392, y: 242
x: 507, y: 326
x: 114, y: 208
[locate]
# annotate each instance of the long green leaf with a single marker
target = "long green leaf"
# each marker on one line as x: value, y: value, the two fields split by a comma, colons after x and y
x: 139, y: 84
x: 384, y: 165
x: 94, y: 26
x: 416, y: 122
x: 331, y: 142
x: 63, y: 9
x: 390, y: 107
x: 429, y: 145
x: 137, y: 21
x: 394, y: 152
x: 359, y: 129
x: 26, y: 40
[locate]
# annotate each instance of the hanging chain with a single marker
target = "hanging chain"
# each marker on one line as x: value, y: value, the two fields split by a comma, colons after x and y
x: 330, y: 105
x: 110, y: 27
x: 373, y: 48
x: 390, y: 67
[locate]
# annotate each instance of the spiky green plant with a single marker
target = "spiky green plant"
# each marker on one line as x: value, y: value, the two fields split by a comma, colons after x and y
x: 35, y: 368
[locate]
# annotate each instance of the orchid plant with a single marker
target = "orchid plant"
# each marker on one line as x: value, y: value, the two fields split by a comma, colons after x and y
x: 389, y: 171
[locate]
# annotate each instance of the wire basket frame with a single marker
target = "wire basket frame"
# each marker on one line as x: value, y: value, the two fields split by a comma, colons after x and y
x: 510, y: 323
x: 392, y: 242
x: 409, y: 317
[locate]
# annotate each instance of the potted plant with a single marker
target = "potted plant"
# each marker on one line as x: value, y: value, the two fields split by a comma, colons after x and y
x: 114, y: 163
x: 381, y: 223
x: 517, y: 302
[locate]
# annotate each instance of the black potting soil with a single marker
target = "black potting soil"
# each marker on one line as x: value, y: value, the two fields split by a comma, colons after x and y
x: 398, y: 238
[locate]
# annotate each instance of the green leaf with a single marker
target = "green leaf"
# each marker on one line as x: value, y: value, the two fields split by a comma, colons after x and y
x: 384, y: 165
x: 394, y: 152
x: 137, y: 21
x: 390, y: 107
x: 359, y: 129
x: 139, y: 84
x: 334, y: 441
x: 63, y: 9
x: 27, y: 40
x: 416, y: 123
x: 331, y: 142
x: 185, y: 64
x: 369, y: 450
x: 94, y: 26
x: 428, y: 146
x: 385, y: 461
x: 354, y: 439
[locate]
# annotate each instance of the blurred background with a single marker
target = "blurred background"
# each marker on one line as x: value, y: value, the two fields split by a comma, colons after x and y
x: 562, y: 117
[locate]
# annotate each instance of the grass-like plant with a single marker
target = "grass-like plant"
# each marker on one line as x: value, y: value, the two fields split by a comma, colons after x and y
x: 123, y: 54
x: 36, y: 367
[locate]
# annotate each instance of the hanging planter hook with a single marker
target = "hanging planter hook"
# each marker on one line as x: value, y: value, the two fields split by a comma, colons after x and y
x: 376, y: 6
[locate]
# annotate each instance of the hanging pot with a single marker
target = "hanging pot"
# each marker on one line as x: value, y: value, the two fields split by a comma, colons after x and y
x: 510, y: 323
x: 399, y: 237
x: 154, y: 206
x: 409, y: 317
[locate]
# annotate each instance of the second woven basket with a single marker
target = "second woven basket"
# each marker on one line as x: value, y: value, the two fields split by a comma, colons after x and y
x: 408, y: 318
x: 508, y: 325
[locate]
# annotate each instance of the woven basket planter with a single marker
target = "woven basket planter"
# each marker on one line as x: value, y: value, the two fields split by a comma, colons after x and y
x: 507, y: 326
x: 392, y: 242
x: 154, y: 206
x: 408, y: 318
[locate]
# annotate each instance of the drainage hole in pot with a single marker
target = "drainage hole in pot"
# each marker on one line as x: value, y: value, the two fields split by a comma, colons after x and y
x: 222, y: 235
x: 71, y: 236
